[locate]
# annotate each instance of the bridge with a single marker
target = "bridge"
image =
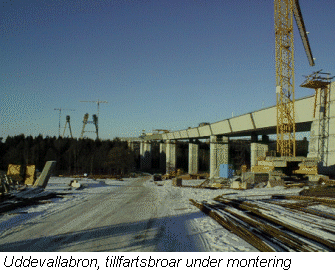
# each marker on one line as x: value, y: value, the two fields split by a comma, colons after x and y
x: 260, y: 122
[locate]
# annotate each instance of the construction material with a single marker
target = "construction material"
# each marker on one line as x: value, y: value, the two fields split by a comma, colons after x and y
x: 186, y: 177
x: 237, y: 184
x: 8, y: 183
x: 24, y: 197
x: 269, y: 231
x: 15, y: 172
x: 319, y: 191
x: 42, y: 181
x: 230, y: 224
x: 210, y: 184
x: 301, y: 207
x: 254, y: 177
x: 308, y: 166
x: 275, y: 182
x: 315, y: 178
x: 177, y: 182
x: 157, y: 177
x: 75, y: 184
x: 308, y: 170
x: 326, y: 201
x: 310, y: 226
x: 199, y: 176
x: 30, y: 175
x: 262, y: 169
x: 204, y: 183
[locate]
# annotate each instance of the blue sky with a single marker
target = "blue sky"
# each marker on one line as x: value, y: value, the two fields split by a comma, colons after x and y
x: 159, y: 64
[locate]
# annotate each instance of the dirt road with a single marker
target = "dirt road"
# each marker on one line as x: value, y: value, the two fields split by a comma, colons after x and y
x: 132, y: 218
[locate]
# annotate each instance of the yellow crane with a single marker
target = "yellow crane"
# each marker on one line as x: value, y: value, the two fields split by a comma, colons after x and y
x: 284, y: 51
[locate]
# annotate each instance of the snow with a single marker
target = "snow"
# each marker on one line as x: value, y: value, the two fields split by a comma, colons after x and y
x: 185, y: 228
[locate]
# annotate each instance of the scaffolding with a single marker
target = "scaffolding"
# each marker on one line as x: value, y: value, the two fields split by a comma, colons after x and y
x: 322, y: 84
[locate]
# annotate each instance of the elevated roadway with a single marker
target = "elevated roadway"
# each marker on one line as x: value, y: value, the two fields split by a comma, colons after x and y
x: 260, y: 122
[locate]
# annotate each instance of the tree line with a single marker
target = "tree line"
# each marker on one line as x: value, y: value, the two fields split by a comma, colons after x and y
x: 73, y: 156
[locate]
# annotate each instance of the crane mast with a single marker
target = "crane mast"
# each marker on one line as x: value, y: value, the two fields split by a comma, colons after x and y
x: 284, y: 53
x: 284, y: 49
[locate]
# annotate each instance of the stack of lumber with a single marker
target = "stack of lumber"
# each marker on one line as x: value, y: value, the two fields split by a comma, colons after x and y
x: 276, y: 225
x: 208, y: 184
x: 319, y: 191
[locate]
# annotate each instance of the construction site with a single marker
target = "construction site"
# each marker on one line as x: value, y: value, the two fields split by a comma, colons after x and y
x: 245, y: 183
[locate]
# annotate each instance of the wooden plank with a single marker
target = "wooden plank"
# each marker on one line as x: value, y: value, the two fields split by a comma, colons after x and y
x: 294, y: 225
x: 301, y: 207
x: 316, y: 199
x: 265, y: 228
x: 238, y: 230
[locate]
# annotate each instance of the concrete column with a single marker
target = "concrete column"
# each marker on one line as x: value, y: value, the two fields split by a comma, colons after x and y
x: 130, y: 145
x: 171, y: 157
x: 162, y: 157
x: 254, y: 137
x: 322, y: 142
x: 265, y: 138
x: 257, y: 150
x: 145, y: 151
x: 193, y: 160
x: 219, y: 154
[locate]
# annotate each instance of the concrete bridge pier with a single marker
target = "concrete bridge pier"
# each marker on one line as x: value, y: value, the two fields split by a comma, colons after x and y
x: 146, y: 158
x: 171, y: 156
x: 254, y: 137
x: 193, y: 160
x: 257, y: 150
x: 219, y: 154
x: 265, y: 139
x: 162, y: 157
x: 322, y: 136
x: 131, y: 145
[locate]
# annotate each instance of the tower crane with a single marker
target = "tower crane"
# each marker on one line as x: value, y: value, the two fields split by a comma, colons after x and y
x: 60, y: 113
x: 67, y: 121
x: 98, y: 103
x: 284, y: 53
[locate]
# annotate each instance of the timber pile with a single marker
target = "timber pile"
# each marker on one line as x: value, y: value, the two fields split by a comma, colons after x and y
x: 207, y: 184
x: 319, y: 191
x: 276, y: 225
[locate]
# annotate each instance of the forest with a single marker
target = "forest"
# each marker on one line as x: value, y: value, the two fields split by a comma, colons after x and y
x: 73, y: 156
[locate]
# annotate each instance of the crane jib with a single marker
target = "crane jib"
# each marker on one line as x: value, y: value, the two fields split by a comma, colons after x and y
x: 302, y: 30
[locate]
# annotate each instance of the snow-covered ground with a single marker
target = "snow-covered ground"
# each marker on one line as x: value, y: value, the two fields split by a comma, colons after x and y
x: 211, y: 236
x: 176, y: 225
x: 11, y: 220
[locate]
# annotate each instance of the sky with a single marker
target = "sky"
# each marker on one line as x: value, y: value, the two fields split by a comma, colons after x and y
x: 160, y: 64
